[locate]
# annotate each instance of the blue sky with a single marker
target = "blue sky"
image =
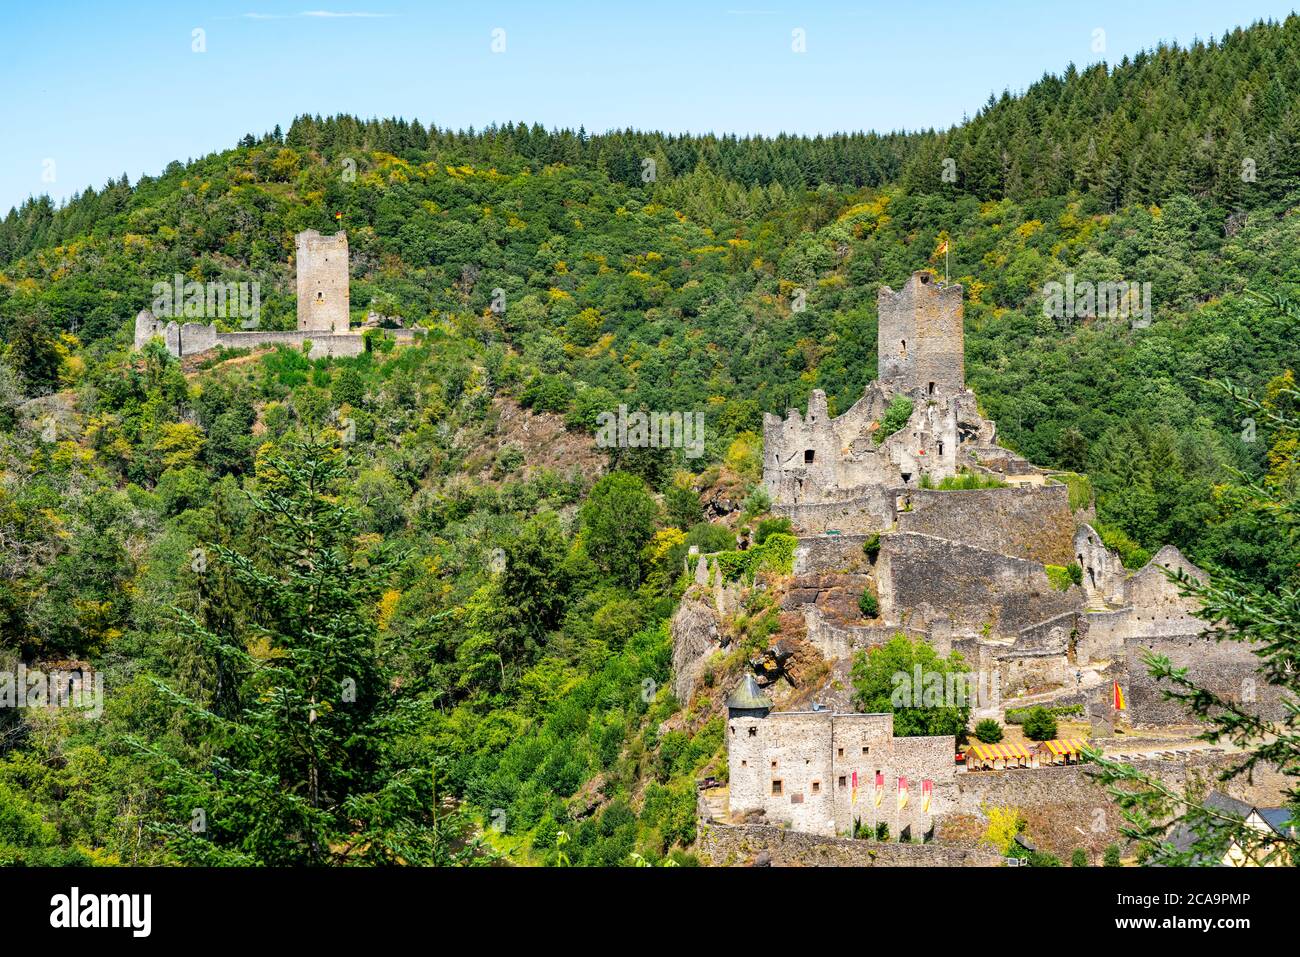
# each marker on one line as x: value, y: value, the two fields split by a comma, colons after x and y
x: 102, y: 88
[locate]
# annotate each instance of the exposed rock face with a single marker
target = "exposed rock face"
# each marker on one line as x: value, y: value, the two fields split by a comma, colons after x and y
x: 835, y: 595
x: 696, y: 635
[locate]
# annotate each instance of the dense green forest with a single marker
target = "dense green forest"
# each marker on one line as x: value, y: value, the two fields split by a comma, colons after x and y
x: 410, y: 618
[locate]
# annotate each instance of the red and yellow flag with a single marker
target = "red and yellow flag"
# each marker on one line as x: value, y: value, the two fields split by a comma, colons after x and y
x: 902, y: 793
x: 880, y: 787
x: 1119, y: 698
x: 927, y: 792
x: 855, y: 788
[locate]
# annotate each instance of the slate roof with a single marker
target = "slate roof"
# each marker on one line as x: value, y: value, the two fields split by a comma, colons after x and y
x: 748, y: 696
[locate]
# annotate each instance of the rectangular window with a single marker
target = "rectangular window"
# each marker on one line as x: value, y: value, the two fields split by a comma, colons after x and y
x: 843, y: 780
x: 865, y: 749
x: 816, y: 787
x: 840, y: 752
x: 808, y: 456
x: 776, y: 788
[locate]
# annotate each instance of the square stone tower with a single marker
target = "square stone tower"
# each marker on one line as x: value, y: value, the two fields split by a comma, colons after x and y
x: 920, y: 346
x: 322, y: 263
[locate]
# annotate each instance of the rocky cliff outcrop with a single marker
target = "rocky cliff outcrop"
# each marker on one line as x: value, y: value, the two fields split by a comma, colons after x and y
x: 697, y: 634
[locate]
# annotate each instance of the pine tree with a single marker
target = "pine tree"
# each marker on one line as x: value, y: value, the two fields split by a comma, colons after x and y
x: 303, y: 774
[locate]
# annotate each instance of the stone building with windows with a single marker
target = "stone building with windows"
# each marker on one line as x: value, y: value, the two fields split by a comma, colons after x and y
x: 828, y: 773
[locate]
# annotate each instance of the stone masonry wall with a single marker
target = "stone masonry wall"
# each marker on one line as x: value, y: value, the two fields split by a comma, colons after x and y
x: 742, y: 845
x: 919, y: 337
x: 872, y: 511
x: 929, y: 579
x: 1029, y: 521
x: 798, y: 768
x: 322, y: 273
x: 1227, y: 668
x: 1072, y: 785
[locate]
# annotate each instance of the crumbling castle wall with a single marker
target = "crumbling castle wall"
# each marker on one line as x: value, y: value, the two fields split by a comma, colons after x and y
x: 1033, y: 522
x: 923, y: 579
x: 871, y: 511
x: 1227, y: 668
x: 743, y: 845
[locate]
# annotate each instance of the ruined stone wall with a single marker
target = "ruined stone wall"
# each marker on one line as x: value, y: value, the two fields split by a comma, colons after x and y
x: 1103, y: 573
x: 1027, y: 674
x: 1105, y: 636
x: 1227, y: 668
x: 1030, y: 521
x: 930, y: 579
x: 322, y: 269
x: 1157, y: 607
x: 919, y: 338
x: 197, y: 337
x: 740, y: 846
x: 834, y: 641
x: 322, y: 343
x: 1070, y: 785
x: 830, y: 553
x: 871, y: 511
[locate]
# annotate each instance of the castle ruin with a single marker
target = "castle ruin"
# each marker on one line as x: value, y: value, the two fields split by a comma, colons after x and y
x: 1002, y: 567
x: 322, y: 266
x: 830, y: 773
x: 323, y: 310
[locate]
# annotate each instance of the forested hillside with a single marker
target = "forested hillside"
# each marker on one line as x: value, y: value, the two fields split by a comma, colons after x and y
x: 216, y: 539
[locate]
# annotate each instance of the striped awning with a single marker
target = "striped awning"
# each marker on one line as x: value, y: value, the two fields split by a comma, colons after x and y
x: 999, y: 752
x: 1065, y: 745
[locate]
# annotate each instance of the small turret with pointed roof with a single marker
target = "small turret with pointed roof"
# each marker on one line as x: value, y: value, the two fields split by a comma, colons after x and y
x: 748, y: 698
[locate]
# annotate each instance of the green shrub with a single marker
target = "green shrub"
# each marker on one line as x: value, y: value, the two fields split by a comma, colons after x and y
x: 1080, y: 489
x: 1040, y: 725
x: 869, y: 605
x: 1043, y: 859
x: 775, y: 554
x: 1060, y: 576
x: 1131, y: 554
x: 1018, y: 715
x: 871, y: 547
x: 895, y: 417
x: 1111, y: 857
x: 1079, y: 858
x: 771, y: 526
x: 988, y: 731
x: 970, y: 481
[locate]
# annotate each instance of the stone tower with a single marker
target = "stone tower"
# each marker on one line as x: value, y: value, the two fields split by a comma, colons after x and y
x: 747, y: 744
x: 322, y: 263
x: 920, y: 346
